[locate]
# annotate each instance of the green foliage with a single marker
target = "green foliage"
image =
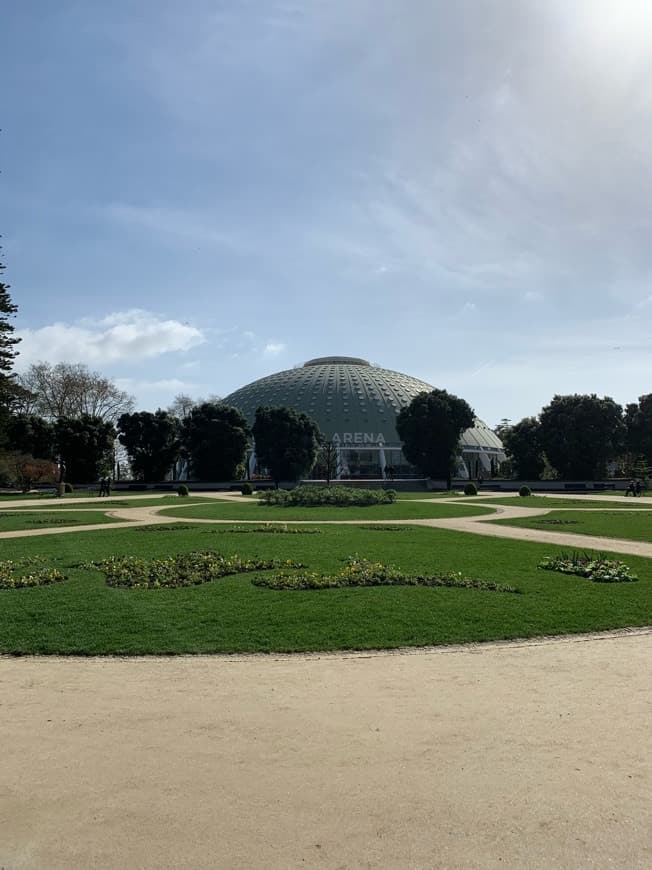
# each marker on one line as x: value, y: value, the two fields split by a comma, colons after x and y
x: 13, y: 576
x: 524, y: 448
x: 638, y: 419
x: 151, y: 441
x: 29, y: 434
x: 68, y: 487
x: 363, y: 572
x: 10, y: 391
x: 247, y: 489
x: 525, y: 491
x: 430, y: 428
x: 597, y: 568
x: 470, y: 488
x: 580, y: 434
x: 185, y: 569
x: 287, y: 442
x: 214, y: 440
x: 336, y: 496
x: 85, y: 445
x: 182, y: 490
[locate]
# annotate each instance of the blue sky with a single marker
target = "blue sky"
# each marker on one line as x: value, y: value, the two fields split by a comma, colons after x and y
x: 197, y: 194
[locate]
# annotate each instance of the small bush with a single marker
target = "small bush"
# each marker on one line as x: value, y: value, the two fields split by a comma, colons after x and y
x: 470, y: 488
x: 524, y: 491
x: 68, y: 487
x: 333, y: 496
x: 182, y: 490
x: 247, y: 489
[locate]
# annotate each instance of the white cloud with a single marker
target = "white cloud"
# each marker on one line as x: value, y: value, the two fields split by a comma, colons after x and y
x: 121, y: 336
x: 274, y: 348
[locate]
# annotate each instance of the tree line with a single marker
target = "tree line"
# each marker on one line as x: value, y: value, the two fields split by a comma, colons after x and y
x: 65, y: 420
x: 580, y: 437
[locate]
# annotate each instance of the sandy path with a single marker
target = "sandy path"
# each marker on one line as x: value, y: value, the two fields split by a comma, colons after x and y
x: 516, y: 756
x: 479, y: 525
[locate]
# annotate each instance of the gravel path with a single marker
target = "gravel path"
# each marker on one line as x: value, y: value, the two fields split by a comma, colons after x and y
x: 522, y: 756
x: 477, y: 525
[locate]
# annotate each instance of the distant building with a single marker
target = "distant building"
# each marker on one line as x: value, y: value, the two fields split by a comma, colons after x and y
x: 355, y: 405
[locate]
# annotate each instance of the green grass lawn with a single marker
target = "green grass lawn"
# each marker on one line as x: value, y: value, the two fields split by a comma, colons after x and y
x: 408, y: 496
x: 84, y: 616
x: 113, y: 502
x: 629, y: 525
x: 544, y: 501
x: 254, y: 511
x: 11, y: 522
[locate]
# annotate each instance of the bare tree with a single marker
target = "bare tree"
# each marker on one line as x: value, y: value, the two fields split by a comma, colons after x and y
x: 328, y: 460
x: 183, y: 404
x: 70, y: 390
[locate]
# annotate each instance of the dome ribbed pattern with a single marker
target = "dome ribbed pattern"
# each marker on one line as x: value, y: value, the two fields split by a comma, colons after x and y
x: 347, y: 394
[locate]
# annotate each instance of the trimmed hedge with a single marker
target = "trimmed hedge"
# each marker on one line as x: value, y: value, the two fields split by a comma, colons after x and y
x: 334, y: 496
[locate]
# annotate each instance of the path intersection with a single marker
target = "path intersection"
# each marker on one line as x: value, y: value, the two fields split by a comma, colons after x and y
x: 484, y: 524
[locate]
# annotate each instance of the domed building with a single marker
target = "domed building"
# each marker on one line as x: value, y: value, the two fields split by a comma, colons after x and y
x: 355, y: 405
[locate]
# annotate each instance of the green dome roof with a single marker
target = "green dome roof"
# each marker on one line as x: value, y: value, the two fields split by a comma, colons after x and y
x: 348, y: 395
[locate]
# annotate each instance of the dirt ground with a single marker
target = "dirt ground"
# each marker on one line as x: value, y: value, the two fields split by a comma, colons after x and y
x: 520, y: 755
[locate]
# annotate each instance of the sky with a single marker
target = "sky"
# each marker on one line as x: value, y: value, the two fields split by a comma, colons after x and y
x: 195, y: 195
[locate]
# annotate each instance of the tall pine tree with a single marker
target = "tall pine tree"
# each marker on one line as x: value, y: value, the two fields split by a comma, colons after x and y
x: 9, y: 389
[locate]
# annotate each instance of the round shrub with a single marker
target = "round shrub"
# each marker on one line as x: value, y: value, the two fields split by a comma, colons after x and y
x: 182, y: 489
x: 470, y: 488
x: 524, y: 491
x: 247, y: 489
x: 68, y: 487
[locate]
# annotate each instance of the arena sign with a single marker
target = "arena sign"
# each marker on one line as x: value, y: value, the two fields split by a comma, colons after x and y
x: 359, y: 438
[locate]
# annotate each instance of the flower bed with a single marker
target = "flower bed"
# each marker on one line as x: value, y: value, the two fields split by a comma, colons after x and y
x: 362, y: 572
x: 597, y: 568
x: 266, y: 529
x: 38, y: 574
x: 186, y: 569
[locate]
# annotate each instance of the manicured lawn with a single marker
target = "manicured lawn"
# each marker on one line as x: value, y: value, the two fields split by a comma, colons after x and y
x: 408, y: 496
x: 84, y: 616
x: 101, y: 504
x: 545, y: 501
x: 254, y: 511
x: 10, y: 522
x: 629, y: 525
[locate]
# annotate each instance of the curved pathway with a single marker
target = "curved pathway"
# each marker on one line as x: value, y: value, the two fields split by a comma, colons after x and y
x: 484, y: 524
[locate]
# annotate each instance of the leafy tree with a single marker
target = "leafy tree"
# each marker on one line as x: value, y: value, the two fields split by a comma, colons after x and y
x: 214, y: 440
x: 287, y: 442
x: 430, y: 428
x: 638, y: 419
x: 581, y: 433
x: 85, y: 447
x: 72, y: 390
x: 151, y: 441
x: 31, y: 435
x: 523, y: 446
